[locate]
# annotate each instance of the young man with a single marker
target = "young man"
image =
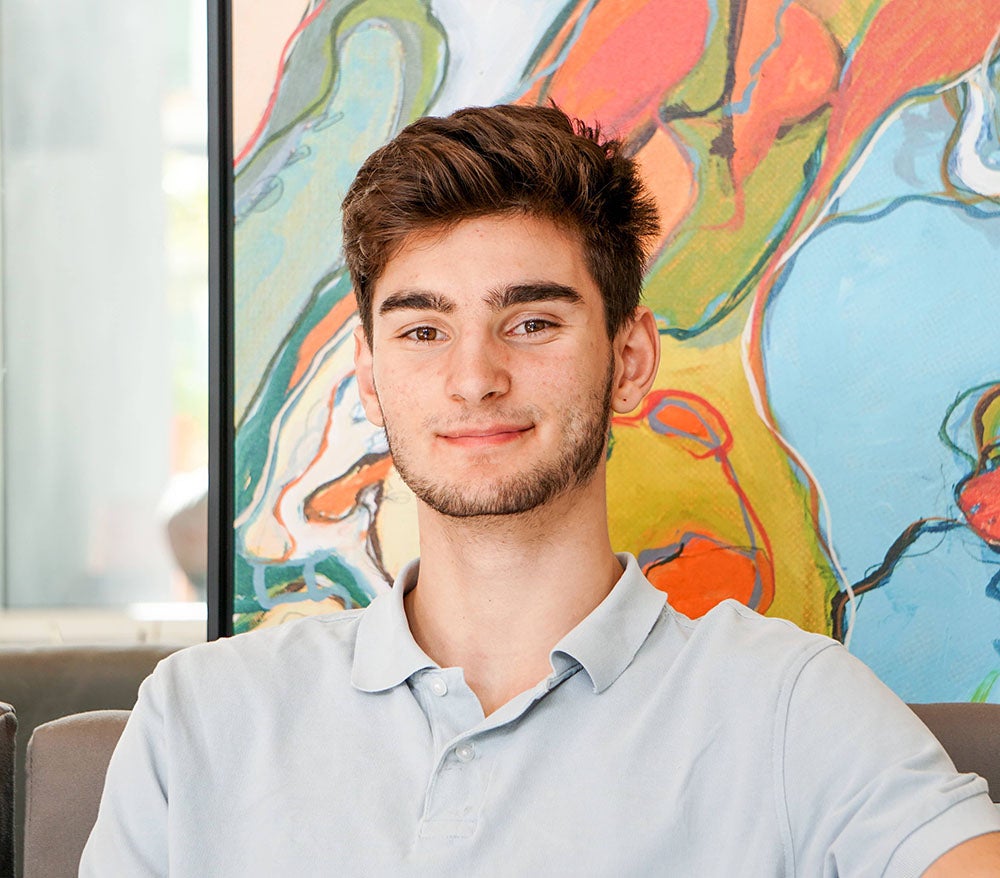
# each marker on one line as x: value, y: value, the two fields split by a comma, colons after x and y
x: 523, y: 701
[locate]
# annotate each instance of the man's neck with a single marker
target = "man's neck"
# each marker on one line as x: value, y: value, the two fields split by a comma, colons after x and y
x: 494, y: 595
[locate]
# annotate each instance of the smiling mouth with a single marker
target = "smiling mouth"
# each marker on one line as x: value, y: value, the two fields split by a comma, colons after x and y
x: 481, y: 437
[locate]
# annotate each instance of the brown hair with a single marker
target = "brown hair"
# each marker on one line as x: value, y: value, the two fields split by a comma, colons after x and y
x: 503, y: 159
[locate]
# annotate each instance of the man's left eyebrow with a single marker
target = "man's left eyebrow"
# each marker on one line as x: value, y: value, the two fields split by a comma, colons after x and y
x: 524, y: 294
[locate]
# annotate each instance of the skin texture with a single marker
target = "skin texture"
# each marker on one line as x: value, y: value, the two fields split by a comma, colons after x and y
x: 573, y: 461
x: 488, y: 388
x: 539, y: 318
x: 976, y: 858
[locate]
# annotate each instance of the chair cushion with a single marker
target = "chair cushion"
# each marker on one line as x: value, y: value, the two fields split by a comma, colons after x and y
x: 46, y: 682
x: 66, y: 763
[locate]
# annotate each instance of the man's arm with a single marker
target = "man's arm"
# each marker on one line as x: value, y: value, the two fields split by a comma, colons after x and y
x: 976, y: 858
x: 868, y: 786
x: 130, y: 835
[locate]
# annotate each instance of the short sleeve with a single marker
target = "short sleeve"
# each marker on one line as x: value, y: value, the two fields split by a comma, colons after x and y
x: 130, y: 835
x: 866, y: 789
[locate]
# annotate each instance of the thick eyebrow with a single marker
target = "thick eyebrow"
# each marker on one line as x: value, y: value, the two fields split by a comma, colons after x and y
x: 524, y: 294
x: 497, y: 300
x: 416, y: 300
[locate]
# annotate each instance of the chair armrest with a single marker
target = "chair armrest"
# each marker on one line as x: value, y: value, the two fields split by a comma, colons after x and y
x: 64, y: 779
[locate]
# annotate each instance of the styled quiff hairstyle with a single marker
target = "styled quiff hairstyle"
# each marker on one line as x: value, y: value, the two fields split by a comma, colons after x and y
x: 505, y: 159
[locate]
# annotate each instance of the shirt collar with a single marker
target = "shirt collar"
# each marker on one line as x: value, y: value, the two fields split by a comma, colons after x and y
x: 607, y: 640
x: 385, y: 653
x: 603, y: 644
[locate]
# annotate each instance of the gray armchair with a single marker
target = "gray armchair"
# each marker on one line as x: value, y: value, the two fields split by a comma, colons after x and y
x: 971, y: 735
x: 46, y: 682
x: 66, y: 763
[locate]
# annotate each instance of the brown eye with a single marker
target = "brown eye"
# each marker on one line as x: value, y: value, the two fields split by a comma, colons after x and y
x: 423, y: 333
x: 531, y: 327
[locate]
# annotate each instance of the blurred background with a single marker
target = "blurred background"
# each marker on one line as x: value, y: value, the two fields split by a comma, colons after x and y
x: 103, y: 320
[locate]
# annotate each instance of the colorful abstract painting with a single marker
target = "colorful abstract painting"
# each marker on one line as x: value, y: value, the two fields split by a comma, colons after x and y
x: 823, y: 440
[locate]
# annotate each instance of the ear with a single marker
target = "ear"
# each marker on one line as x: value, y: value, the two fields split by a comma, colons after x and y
x: 363, y: 371
x: 637, y: 358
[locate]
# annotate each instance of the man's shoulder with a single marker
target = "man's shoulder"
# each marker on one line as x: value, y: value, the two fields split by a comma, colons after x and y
x: 735, y: 652
x: 282, y: 653
x: 733, y: 629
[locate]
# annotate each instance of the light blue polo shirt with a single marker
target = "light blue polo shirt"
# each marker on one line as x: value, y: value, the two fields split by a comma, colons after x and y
x: 658, y: 745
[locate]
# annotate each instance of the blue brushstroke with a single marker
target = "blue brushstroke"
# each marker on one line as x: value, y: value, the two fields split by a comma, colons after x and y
x: 881, y: 321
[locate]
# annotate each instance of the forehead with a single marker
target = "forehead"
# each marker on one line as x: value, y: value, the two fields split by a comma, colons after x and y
x: 473, y: 257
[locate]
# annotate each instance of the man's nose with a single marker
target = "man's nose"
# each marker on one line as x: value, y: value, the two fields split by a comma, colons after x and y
x: 478, y: 369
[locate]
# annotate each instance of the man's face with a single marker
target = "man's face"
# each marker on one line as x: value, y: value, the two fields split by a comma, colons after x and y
x: 490, y: 366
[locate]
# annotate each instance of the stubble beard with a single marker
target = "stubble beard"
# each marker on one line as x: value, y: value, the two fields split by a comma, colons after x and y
x: 584, y: 440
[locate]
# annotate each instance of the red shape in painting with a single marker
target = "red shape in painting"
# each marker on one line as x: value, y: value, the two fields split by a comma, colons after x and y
x: 979, y: 500
x: 704, y: 572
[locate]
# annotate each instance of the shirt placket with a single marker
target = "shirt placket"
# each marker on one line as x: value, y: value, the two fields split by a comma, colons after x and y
x: 456, y: 788
x: 465, y: 744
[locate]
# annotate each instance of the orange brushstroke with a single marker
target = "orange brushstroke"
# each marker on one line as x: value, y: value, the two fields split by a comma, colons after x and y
x: 683, y: 420
x: 705, y: 573
x: 626, y: 56
x: 756, y: 34
x: 336, y: 499
x: 320, y: 334
x: 670, y: 175
x: 910, y: 43
x: 795, y: 81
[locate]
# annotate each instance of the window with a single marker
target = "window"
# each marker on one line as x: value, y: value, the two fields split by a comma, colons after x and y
x: 104, y: 304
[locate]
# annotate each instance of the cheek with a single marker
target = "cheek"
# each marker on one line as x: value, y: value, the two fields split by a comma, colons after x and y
x: 573, y: 375
x: 399, y: 395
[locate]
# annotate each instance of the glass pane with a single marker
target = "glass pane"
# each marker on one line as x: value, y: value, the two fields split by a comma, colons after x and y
x: 104, y: 300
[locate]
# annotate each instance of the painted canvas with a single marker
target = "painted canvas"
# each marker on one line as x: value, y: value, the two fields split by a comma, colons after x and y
x: 823, y: 440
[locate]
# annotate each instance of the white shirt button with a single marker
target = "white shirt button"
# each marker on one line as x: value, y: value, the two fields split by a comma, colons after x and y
x: 438, y: 686
x: 465, y: 752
